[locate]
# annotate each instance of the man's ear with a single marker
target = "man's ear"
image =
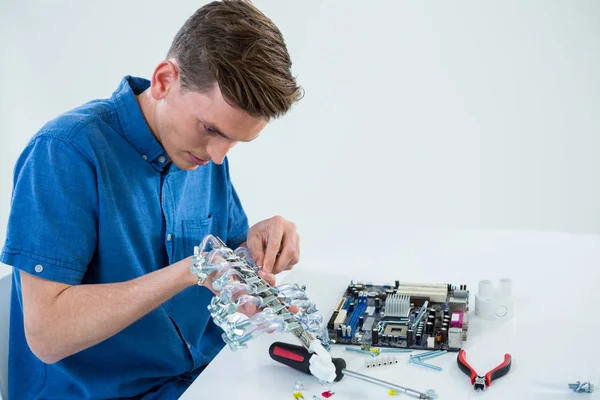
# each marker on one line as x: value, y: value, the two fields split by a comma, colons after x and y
x: 164, y: 79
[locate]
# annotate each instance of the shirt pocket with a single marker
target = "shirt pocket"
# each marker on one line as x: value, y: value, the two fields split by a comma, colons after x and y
x: 194, y: 231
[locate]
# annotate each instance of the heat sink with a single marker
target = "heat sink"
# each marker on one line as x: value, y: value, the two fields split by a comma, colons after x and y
x: 397, y: 305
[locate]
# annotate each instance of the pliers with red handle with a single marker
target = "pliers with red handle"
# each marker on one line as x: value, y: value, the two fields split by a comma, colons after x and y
x: 481, y: 382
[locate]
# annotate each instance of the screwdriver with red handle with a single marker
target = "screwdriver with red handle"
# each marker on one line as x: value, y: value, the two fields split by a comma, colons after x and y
x: 298, y: 357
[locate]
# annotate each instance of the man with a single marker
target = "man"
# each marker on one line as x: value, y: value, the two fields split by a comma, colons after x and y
x: 109, y: 200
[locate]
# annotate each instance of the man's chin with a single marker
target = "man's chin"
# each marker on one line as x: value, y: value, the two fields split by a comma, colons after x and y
x: 185, y: 165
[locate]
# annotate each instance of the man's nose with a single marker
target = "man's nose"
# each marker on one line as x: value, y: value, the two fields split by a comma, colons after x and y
x: 219, y: 152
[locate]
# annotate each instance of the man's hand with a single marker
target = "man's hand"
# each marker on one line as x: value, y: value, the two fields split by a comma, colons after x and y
x: 274, y: 244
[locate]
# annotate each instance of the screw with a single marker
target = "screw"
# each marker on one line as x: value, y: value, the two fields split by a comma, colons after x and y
x: 426, y: 357
x: 395, y: 350
x: 361, y: 351
x: 582, y: 387
x: 424, y: 354
x: 414, y: 361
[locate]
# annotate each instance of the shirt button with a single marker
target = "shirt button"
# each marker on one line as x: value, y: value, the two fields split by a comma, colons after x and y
x: 161, y: 159
x: 169, y: 237
x: 39, y: 268
x: 145, y: 157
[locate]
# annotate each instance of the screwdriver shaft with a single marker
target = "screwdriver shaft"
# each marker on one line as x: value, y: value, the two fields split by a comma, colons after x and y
x: 385, y: 384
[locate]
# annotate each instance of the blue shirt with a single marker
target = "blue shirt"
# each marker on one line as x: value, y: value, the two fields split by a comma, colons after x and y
x: 94, y: 202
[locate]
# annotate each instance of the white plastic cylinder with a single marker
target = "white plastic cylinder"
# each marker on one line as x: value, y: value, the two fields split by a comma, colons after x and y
x: 486, y: 289
x: 494, y: 304
x: 505, y: 288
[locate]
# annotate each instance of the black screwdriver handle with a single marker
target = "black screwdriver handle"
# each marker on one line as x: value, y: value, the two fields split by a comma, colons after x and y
x: 298, y: 358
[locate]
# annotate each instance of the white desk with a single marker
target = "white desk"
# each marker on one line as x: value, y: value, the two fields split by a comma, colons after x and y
x: 553, y: 337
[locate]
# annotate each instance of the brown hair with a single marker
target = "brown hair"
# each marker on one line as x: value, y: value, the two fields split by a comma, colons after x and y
x: 235, y: 45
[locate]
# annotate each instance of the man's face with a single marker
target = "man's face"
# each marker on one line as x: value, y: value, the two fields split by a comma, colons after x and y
x: 195, y: 128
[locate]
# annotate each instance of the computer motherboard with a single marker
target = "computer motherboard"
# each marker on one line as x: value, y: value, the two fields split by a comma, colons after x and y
x: 404, y: 315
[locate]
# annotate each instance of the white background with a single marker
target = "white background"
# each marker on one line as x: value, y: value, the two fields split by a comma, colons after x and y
x: 476, y: 115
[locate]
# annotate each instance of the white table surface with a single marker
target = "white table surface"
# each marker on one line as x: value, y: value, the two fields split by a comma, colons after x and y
x: 553, y: 338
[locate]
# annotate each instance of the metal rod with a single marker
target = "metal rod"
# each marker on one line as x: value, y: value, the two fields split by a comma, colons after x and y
x: 385, y: 384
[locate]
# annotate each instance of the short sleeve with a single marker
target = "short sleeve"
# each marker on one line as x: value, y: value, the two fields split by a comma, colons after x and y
x: 237, y: 223
x: 52, y: 225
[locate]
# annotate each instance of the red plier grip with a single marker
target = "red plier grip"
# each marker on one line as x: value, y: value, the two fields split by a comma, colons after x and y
x: 499, y: 371
x: 479, y: 382
x: 465, y: 367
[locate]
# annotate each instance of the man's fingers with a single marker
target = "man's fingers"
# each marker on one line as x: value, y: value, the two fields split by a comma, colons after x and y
x: 296, y: 259
x: 289, y: 253
x: 248, y: 309
x: 284, y: 259
x: 274, y: 237
x: 270, y: 278
x: 255, y: 245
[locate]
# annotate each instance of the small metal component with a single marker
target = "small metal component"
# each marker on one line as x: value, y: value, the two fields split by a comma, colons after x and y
x: 433, y: 355
x: 582, y: 387
x: 431, y: 393
x: 373, y: 354
x: 298, y: 386
x: 395, y: 350
x: 385, y: 360
x: 422, y: 364
x: 421, y: 355
x: 388, y: 385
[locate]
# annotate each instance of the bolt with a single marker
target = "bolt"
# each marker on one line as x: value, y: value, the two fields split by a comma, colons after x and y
x: 424, y: 354
x: 414, y: 361
x: 240, y: 324
x: 582, y: 387
x: 361, y: 351
x: 395, y: 350
x: 426, y: 357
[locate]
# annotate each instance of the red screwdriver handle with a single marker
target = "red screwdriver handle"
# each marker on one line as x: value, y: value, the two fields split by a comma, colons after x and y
x: 298, y: 358
x: 291, y: 355
x: 500, y: 370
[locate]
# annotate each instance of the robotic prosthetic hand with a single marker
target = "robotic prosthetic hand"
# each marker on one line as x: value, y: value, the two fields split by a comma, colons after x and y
x: 235, y: 277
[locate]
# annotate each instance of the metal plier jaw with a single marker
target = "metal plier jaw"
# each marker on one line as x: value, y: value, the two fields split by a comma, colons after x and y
x: 481, y: 382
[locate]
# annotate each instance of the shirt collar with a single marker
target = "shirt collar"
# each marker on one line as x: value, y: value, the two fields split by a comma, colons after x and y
x: 135, y: 128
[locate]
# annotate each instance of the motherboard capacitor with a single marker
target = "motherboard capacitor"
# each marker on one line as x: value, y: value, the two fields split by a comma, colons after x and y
x: 410, y: 337
x: 444, y: 334
x: 418, y: 338
x: 375, y: 336
x: 429, y: 328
